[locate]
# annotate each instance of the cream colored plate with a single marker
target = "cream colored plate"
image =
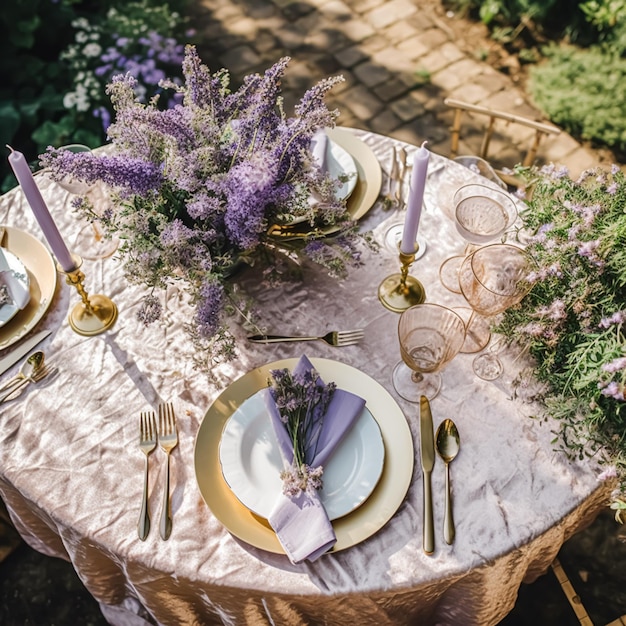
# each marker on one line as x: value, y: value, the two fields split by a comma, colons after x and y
x: 369, y: 518
x: 43, y: 280
x: 366, y: 190
x: 369, y: 174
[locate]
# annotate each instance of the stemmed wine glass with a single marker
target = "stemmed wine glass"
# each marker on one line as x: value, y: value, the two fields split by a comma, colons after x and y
x: 430, y: 336
x: 481, y: 214
x: 91, y: 242
x: 492, y: 279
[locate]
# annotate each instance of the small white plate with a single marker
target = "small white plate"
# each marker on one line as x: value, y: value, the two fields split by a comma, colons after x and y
x: 251, y: 462
x: 14, y: 278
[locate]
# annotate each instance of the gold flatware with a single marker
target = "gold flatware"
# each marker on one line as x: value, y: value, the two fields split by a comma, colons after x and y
x: 389, y: 199
x: 22, y: 349
x: 3, y: 230
x: 427, y: 448
x: 448, y: 445
x: 168, y: 439
x: 35, y: 377
x: 147, y: 443
x: 402, y: 173
x: 31, y: 365
x: 337, y: 338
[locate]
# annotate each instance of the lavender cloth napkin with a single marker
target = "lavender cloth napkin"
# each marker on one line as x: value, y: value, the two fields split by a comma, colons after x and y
x: 301, y: 523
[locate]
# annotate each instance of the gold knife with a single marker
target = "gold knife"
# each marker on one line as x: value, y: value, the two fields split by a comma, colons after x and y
x: 427, y: 441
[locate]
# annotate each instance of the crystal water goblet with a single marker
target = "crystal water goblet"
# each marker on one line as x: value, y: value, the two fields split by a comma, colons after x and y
x: 90, y: 242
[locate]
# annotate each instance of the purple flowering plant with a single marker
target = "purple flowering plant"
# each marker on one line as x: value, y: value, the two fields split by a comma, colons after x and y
x: 199, y: 187
x: 302, y: 400
x: 573, y: 320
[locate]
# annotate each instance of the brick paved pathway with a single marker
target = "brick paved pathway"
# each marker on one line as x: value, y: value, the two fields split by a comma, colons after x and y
x: 400, y: 59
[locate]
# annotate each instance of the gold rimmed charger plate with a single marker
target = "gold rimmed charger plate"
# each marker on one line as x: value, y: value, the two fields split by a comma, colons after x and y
x: 359, y: 525
x: 366, y: 190
x: 43, y: 280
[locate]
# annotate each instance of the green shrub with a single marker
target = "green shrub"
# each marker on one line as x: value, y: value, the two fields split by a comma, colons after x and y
x: 583, y: 91
x: 508, y: 18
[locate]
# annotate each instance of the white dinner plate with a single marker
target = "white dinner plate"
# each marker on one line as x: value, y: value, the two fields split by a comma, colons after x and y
x: 14, y: 277
x: 350, y: 529
x: 339, y: 163
x: 42, y: 275
x: 252, y: 462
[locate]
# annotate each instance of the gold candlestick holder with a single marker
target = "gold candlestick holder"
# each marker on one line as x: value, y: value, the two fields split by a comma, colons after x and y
x: 94, y: 314
x: 400, y: 291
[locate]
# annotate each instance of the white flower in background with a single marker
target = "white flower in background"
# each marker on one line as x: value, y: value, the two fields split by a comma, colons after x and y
x: 92, y: 50
x: 69, y: 100
x: 82, y: 99
x: 81, y: 37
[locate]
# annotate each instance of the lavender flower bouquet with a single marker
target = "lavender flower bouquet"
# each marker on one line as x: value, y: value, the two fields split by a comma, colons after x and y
x: 197, y: 187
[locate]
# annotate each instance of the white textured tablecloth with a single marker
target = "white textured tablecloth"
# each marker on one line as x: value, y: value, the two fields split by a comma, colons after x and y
x: 71, y: 471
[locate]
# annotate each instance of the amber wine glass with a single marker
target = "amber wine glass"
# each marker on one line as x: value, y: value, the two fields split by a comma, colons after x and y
x: 430, y: 336
x: 492, y: 279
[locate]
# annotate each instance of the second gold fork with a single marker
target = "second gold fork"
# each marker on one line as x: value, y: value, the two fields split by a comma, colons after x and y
x: 168, y: 439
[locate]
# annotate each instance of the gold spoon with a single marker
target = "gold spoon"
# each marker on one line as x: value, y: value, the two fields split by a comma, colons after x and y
x: 30, y: 366
x: 448, y: 444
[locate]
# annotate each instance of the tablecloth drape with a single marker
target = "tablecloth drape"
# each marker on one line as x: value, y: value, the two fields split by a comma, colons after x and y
x: 71, y: 469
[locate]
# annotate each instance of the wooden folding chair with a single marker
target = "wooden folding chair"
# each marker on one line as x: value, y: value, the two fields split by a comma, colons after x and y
x: 536, y: 131
x: 574, y: 599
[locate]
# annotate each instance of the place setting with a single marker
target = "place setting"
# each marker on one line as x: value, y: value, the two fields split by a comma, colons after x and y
x: 238, y: 458
x: 28, y: 282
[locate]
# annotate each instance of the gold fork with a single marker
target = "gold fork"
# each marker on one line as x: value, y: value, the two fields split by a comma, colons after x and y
x: 168, y: 439
x: 337, y: 338
x: 147, y: 443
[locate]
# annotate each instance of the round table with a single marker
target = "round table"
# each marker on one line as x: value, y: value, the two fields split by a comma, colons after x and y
x: 71, y: 472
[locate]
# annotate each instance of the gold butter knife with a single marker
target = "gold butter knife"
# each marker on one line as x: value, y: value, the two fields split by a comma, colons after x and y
x: 427, y: 442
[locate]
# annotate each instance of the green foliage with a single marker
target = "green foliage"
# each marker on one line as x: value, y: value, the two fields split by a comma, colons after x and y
x: 507, y: 18
x: 604, y: 14
x: 584, y: 91
x: 608, y: 17
x: 581, y: 89
x: 35, y: 33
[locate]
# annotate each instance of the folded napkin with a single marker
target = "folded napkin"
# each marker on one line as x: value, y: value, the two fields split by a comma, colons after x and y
x: 300, y: 522
x: 16, y: 287
x: 319, y: 149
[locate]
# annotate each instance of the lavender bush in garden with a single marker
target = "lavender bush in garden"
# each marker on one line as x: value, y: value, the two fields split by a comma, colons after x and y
x: 196, y: 187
